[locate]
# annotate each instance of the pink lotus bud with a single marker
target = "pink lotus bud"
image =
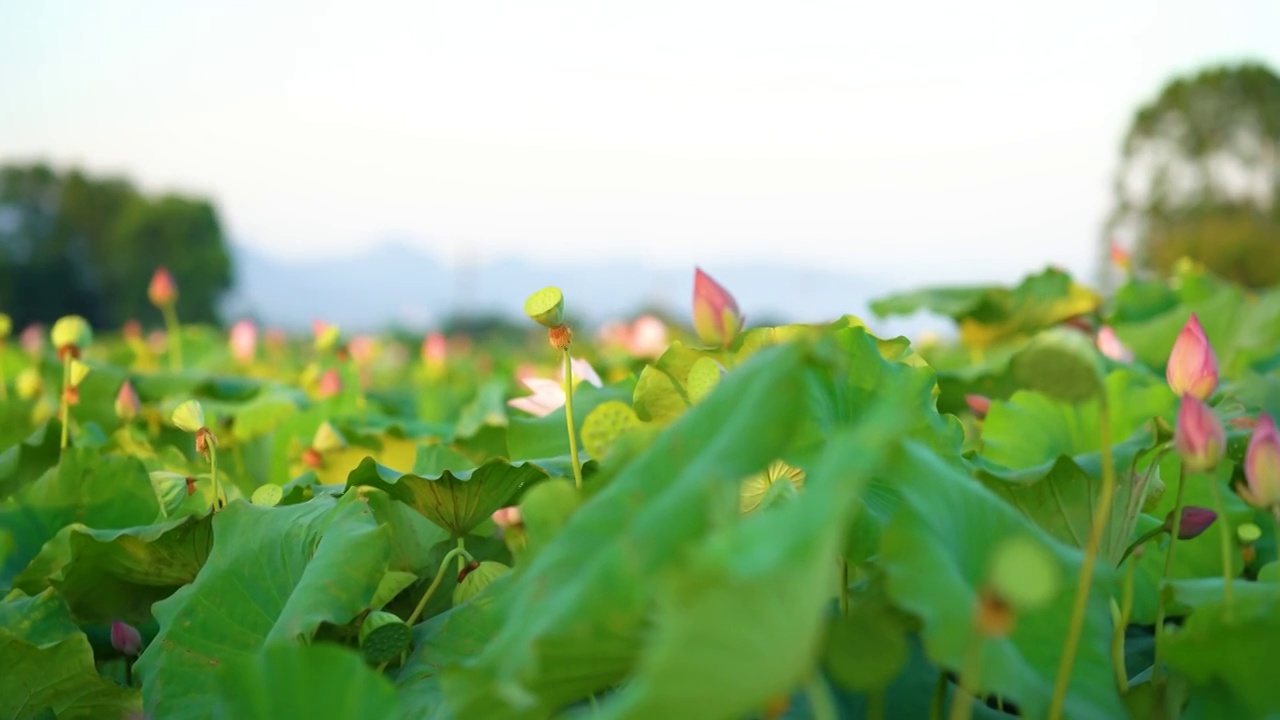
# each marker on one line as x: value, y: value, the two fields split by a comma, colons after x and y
x: 1110, y: 346
x: 32, y: 339
x: 162, y: 291
x: 132, y: 330
x: 979, y: 405
x: 1195, y: 520
x: 1120, y: 257
x: 125, y: 638
x: 127, y: 404
x: 330, y: 383
x: 716, y: 317
x: 1199, y: 438
x: 1262, y: 466
x: 1193, y: 366
x: 647, y: 337
x: 157, y: 341
x: 507, y: 517
x: 435, y: 347
x: 361, y: 348
x: 244, y: 341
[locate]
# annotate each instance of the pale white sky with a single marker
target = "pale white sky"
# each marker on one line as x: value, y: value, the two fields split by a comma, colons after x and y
x: 917, y: 141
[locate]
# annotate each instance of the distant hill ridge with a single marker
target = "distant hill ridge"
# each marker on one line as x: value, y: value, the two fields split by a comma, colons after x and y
x: 398, y: 284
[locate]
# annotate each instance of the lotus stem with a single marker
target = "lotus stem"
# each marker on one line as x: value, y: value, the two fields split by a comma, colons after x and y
x: 174, y: 330
x: 462, y: 545
x: 1117, y: 640
x: 213, y: 475
x: 1101, y: 517
x: 1164, y: 578
x: 875, y: 705
x: 967, y: 687
x: 431, y: 589
x: 820, y: 699
x: 939, y: 696
x: 1147, y: 536
x: 844, y: 585
x: 65, y: 406
x: 1224, y: 532
x: 568, y: 419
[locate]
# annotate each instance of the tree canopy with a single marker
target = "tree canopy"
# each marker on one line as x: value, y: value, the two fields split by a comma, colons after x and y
x: 1199, y: 176
x: 71, y: 243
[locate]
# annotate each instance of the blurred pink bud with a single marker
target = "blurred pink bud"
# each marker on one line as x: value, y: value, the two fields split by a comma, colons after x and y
x: 979, y: 405
x: 162, y: 291
x: 1193, y: 366
x: 32, y: 339
x: 157, y: 341
x: 716, y: 317
x: 1262, y: 466
x: 132, y: 330
x: 1199, y: 438
x: 1109, y: 345
x: 1120, y: 257
x: 435, y: 348
x: 244, y: 341
x: 361, y: 348
x: 127, y: 404
x: 276, y: 339
x: 330, y: 383
x: 125, y: 638
x: 507, y: 517
x: 646, y: 337
x: 1195, y: 520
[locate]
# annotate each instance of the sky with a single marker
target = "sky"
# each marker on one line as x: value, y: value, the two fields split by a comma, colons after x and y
x: 920, y: 142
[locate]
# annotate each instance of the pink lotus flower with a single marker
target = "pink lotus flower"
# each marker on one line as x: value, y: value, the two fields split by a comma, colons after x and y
x: 548, y: 395
x: 1262, y: 466
x: 125, y: 638
x: 32, y: 339
x: 127, y: 404
x: 362, y: 348
x: 330, y: 384
x: 1199, y: 438
x: 716, y: 317
x: 507, y: 517
x: 1120, y: 257
x: 1193, y: 366
x: 162, y: 291
x: 435, y: 348
x: 244, y: 341
x: 1109, y: 345
x: 647, y: 337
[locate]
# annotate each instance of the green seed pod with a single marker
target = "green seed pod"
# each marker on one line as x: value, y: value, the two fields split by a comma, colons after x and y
x: 71, y: 331
x: 267, y: 495
x: 189, y: 416
x: 546, y: 307
x: 477, y: 580
x: 384, y: 636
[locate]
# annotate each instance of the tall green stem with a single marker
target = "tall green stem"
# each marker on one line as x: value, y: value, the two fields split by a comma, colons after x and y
x: 820, y: 701
x: 1117, y: 640
x: 1101, y: 518
x: 1224, y: 532
x: 568, y: 419
x: 462, y: 563
x: 875, y: 705
x: 967, y: 689
x: 444, y: 565
x: 174, y: 330
x: 844, y: 586
x: 64, y: 414
x: 1168, y: 566
x: 213, y: 475
x: 939, y: 696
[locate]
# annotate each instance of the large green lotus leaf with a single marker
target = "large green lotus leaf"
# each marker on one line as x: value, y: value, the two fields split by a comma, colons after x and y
x: 530, y: 438
x: 412, y: 536
x: 661, y: 394
x: 87, y: 487
x: 936, y: 554
x: 487, y: 409
x: 445, y: 639
x: 304, y: 681
x: 264, y: 413
x: 22, y: 463
x: 1235, y: 653
x: 574, y: 616
x: 739, y: 621
x: 49, y: 667
x: 274, y: 575
x: 456, y: 500
x: 107, y: 575
x: 41, y: 620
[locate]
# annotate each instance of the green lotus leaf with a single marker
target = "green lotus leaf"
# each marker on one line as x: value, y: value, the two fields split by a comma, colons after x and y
x: 304, y: 681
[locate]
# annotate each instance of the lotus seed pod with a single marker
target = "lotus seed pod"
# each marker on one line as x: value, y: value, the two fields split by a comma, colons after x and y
x: 384, y: 636
x: 189, y: 416
x: 267, y: 495
x: 1025, y: 574
x: 546, y: 307
x: 1248, y: 533
x: 71, y: 331
x: 477, y: 580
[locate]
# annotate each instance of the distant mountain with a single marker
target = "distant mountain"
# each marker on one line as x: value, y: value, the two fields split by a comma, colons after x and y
x: 397, y: 284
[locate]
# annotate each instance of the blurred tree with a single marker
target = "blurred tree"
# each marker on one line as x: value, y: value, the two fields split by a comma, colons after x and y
x: 1200, y: 176
x: 72, y: 243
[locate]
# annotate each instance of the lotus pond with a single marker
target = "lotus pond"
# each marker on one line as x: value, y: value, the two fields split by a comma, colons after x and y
x: 1068, y: 512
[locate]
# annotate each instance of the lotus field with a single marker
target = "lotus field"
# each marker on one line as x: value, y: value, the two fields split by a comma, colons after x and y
x: 1068, y: 512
